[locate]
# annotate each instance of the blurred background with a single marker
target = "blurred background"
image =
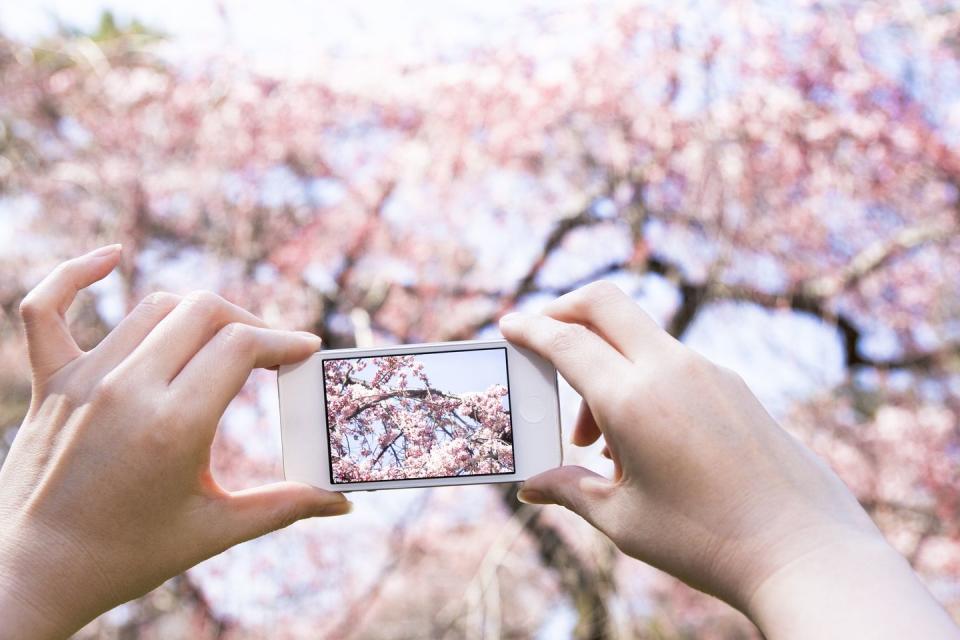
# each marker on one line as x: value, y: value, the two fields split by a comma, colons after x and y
x: 775, y: 182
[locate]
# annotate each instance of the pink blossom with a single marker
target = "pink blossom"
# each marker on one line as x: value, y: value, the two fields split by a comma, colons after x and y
x: 399, y: 425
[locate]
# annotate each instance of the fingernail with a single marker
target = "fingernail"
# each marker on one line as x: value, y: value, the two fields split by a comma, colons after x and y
x: 110, y: 249
x: 530, y: 496
x: 335, y: 509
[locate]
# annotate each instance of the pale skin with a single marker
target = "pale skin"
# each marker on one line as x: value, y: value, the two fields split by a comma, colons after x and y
x: 107, y: 491
x: 708, y: 487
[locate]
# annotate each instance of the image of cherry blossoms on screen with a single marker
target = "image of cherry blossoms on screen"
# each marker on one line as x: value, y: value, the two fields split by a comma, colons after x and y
x: 433, y: 415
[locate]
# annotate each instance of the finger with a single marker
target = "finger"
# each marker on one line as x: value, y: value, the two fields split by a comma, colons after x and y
x: 585, y: 360
x: 254, y: 512
x: 580, y: 490
x: 183, y: 332
x: 221, y: 367
x: 132, y: 330
x: 585, y: 430
x: 605, y: 308
x: 44, y: 309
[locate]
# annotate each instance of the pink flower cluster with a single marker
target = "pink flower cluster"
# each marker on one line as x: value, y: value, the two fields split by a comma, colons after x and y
x: 391, y: 423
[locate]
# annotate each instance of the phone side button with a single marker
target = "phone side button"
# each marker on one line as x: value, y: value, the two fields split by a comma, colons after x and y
x: 532, y: 409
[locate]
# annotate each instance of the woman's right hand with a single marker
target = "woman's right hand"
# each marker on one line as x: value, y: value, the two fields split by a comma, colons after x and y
x: 708, y: 487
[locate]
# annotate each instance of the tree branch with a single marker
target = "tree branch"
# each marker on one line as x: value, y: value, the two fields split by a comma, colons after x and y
x: 877, y: 256
x: 854, y: 357
x: 589, y: 586
x: 334, y: 300
x: 528, y: 282
x: 814, y: 297
x: 416, y: 394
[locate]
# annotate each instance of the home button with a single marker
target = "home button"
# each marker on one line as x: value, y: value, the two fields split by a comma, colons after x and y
x: 532, y: 409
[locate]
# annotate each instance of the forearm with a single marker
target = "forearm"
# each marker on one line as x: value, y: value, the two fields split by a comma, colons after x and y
x: 858, y: 588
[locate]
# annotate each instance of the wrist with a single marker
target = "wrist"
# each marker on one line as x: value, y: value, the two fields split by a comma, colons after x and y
x: 23, y: 617
x: 42, y: 591
x: 854, y: 585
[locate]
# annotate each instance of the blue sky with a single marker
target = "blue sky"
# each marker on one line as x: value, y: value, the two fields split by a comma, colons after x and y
x: 458, y: 372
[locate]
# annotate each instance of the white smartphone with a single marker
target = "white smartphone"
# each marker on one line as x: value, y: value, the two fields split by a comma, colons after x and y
x: 422, y: 415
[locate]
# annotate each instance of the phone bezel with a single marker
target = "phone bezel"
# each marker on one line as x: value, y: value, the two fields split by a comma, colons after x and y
x: 303, y: 427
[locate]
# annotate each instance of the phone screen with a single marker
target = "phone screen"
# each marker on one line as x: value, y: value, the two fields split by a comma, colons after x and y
x: 423, y: 415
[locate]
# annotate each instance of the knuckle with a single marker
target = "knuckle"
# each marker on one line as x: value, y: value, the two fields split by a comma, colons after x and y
x: 692, y: 366
x: 566, y: 338
x: 597, y: 295
x: 602, y: 290
x: 204, y: 301
x: 108, y: 391
x: 30, y: 306
x: 585, y: 299
x: 237, y: 336
x: 62, y: 269
x: 285, y: 516
x: 160, y: 300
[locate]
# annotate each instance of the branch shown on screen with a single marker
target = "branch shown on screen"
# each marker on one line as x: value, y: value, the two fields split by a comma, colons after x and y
x: 387, y: 421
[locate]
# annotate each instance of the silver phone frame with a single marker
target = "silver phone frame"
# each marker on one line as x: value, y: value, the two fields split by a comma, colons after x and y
x: 533, y: 389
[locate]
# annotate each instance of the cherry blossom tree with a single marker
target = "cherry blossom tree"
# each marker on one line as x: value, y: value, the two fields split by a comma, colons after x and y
x: 388, y: 422
x: 737, y: 167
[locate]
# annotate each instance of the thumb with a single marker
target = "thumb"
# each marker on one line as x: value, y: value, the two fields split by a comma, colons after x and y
x: 258, y: 511
x: 580, y: 490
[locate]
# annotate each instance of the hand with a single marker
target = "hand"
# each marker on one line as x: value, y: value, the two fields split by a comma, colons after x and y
x: 708, y: 487
x: 107, y: 490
